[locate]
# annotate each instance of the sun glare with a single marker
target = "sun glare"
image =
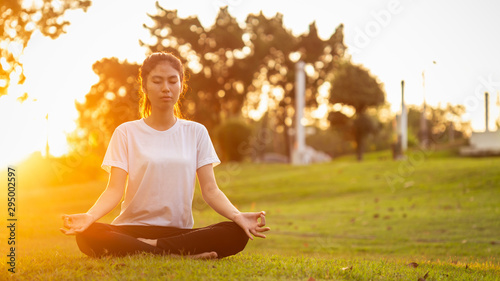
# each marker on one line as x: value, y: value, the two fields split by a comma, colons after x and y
x: 23, y: 129
x: 42, y: 109
x: 27, y: 127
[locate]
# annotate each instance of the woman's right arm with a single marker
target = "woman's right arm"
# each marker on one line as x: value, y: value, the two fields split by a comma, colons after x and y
x: 106, y: 203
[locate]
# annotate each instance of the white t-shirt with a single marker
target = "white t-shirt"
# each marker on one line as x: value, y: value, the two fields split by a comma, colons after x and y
x: 161, y: 167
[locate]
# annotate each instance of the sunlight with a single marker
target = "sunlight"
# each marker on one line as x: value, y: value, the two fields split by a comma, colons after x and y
x: 23, y: 133
x: 48, y: 112
x: 320, y: 112
x: 322, y: 99
x: 58, y: 72
x: 4, y: 64
x: 15, y: 47
x: 263, y: 104
x: 33, y: 122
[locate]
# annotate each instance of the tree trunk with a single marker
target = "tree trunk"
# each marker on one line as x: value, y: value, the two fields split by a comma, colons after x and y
x: 360, y: 147
x: 287, y: 142
x: 361, y: 130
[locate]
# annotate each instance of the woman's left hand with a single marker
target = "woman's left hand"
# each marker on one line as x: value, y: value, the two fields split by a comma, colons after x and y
x: 249, y: 222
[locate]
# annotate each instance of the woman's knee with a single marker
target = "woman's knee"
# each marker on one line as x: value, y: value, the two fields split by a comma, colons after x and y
x: 236, y: 236
x: 96, y: 229
x: 84, y: 244
x: 88, y: 240
x: 233, y: 228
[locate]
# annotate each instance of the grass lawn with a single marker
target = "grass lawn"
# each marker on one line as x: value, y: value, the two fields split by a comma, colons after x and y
x: 432, y: 216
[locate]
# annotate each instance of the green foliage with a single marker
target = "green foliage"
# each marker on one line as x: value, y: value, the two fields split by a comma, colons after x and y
x: 448, y: 121
x: 364, y: 124
x: 379, y: 132
x: 233, y: 139
x: 444, y: 123
x: 338, y: 120
x: 331, y: 142
x: 111, y: 102
x: 353, y: 85
x: 17, y: 24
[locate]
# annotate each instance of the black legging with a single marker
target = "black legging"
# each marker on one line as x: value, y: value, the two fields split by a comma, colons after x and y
x: 225, y: 238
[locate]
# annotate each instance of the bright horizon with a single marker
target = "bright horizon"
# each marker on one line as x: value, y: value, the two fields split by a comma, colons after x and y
x: 396, y: 40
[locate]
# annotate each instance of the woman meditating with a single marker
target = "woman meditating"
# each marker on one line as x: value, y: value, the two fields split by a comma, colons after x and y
x: 154, y: 161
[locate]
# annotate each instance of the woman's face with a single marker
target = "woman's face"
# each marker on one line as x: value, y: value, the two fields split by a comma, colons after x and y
x: 163, y: 86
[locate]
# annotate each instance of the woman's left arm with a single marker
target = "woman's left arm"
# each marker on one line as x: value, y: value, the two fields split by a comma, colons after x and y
x: 216, y: 199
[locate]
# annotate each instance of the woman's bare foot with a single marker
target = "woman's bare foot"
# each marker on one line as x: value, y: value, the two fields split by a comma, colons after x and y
x: 151, y: 242
x: 202, y: 256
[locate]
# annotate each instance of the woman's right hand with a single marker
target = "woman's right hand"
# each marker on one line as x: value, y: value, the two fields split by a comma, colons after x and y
x: 76, y: 223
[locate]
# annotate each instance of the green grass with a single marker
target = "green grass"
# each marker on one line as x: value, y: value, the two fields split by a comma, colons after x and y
x: 341, y: 220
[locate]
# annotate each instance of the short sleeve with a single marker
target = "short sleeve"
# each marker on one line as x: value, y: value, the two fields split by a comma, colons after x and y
x: 116, y: 154
x: 205, y: 151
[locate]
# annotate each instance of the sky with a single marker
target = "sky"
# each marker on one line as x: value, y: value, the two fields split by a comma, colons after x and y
x: 396, y: 39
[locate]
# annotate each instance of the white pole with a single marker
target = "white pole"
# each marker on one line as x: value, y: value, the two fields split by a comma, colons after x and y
x: 423, y: 121
x: 404, y: 120
x: 486, y: 107
x: 300, y: 89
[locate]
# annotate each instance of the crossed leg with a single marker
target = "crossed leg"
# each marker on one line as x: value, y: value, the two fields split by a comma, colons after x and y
x: 215, y: 241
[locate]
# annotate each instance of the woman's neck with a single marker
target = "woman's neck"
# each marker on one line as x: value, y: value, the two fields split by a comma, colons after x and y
x: 161, y: 121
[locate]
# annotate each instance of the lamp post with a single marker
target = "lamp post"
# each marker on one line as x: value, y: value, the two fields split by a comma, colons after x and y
x: 424, y: 139
x: 486, y: 111
x: 498, y: 104
x: 404, y: 120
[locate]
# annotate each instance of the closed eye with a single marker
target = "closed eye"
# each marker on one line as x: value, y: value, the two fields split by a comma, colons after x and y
x: 157, y: 79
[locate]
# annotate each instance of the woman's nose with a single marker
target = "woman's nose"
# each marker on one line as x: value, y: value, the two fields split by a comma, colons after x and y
x: 165, y: 87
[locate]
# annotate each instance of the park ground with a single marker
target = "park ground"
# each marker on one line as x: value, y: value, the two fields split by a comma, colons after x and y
x: 431, y: 216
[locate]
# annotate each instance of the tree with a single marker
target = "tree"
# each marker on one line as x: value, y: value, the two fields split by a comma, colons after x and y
x: 228, y: 63
x: 211, y: 54
x: 278, y: 50
x: 18, y: 21
x: 353, y: 85
x: 233, y: 136
x: 445, y: 123
x: 111, y: 102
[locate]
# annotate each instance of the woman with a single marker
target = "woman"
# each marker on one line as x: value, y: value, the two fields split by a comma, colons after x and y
x: 161, y: 154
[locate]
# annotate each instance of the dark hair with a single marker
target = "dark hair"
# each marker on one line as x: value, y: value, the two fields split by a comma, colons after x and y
x: 149, y: 63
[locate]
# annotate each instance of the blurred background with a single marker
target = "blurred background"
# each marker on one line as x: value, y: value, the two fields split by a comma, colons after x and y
x: 69, y: 69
